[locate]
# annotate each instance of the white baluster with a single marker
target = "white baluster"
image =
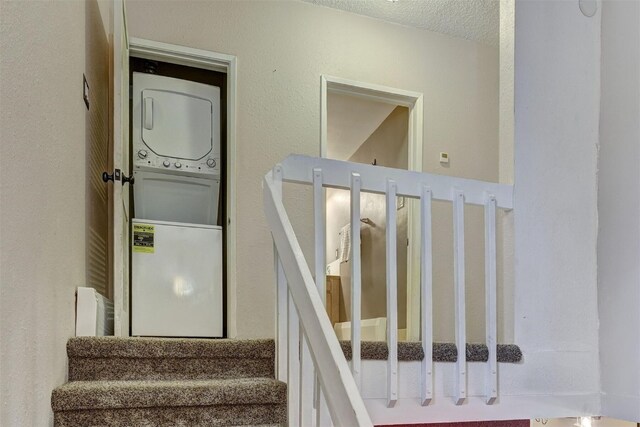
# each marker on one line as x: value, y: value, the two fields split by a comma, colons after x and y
x: 293, y: 347
x: 281, y: 297
x: 426, y: 296
x: 356, y: 364
x: 490, y: 274
x: 323, y: 416
x: 319, y: 232
x: 307, y: 377
x: 392, y: 295
x: 459, y: 278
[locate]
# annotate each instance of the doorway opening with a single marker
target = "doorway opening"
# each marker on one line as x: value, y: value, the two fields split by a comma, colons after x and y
x: 178, y: 117
x: 190, y: 65
x: 366, y: 123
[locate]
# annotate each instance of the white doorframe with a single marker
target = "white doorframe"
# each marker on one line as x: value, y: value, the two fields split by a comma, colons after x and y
x: 413, y: 101
x: 220, y: 62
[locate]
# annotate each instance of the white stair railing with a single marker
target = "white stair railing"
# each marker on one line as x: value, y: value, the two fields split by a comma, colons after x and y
x: 323, y: 388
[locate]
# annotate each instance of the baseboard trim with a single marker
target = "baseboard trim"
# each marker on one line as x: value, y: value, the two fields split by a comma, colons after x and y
x: 409, y: 411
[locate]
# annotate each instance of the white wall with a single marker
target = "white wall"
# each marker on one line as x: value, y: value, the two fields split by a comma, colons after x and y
x: 505, y: 229
x: 282, y: 49
x: 42, y: 200
x: 619, y: 210
x: 557, y: 88
x: 507, y: 29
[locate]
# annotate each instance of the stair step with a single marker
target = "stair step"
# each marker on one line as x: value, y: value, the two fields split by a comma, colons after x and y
x: 442, y: 352
x: 147, y: 394
x: 170, y: 347
x: 112, y: 358
x: 212, y: 402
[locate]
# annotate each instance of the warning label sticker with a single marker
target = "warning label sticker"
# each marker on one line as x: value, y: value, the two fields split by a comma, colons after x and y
x: 143, y: 238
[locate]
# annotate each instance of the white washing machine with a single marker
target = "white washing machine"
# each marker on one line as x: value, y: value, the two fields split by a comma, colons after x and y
x: 176, y: 279
x: 176, y: 149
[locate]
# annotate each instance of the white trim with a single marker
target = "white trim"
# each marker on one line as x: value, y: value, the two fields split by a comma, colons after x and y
x: 409, y: 411
x: 459, y: 296
x: 338, y: 385
x: 426, y: 296
x: 198, y: 58
x: 414, y: 102
x: 337, y: 174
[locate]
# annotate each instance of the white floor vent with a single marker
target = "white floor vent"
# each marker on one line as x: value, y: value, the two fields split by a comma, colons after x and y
x: 94, y: 314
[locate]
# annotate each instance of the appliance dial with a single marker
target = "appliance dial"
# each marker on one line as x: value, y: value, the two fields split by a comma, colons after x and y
x: 142, y: 154
x: 211, y: 163
x: 178, y: 165
x: 166, y: 163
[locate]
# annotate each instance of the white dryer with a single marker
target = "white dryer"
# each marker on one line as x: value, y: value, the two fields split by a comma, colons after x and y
x: 176, y: 149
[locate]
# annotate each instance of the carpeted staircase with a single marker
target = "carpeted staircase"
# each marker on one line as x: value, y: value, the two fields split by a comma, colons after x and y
x: 169, y: 382
x: 197, y: 382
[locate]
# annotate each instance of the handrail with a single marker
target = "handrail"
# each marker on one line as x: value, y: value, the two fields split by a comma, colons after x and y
x: 337, y: 174
x: 305, y: 338
x: 340, y: 391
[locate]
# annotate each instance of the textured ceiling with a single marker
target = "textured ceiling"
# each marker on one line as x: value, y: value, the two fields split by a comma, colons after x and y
x: 468, y: 19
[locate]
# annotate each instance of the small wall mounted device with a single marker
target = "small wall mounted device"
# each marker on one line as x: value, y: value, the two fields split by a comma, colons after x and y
x: 444, y: 158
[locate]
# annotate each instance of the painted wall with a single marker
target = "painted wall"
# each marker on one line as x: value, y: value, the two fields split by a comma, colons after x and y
x: 46, y: 135
x: 282, y: 49
x: 505, y: 228
x: 619, y: 210
x: 388, y: 145
x: 350, y: 121
x: 557, y: 98
x: 45, y: 132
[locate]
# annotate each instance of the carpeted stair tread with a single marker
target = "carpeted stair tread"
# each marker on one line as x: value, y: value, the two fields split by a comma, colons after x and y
x: 101, y: 347
x: 95, y: 395
x: 442, y: 352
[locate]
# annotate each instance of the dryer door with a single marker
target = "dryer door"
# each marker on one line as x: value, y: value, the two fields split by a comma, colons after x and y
x: 176, y: 118
x: 176, y: 125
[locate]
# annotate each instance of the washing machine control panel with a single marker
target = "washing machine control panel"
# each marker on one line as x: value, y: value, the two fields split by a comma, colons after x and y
x: 145, y: 160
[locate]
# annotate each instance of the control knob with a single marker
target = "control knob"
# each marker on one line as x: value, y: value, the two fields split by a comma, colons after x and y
x: 142, y: 154
x: 211, y: 163
x: 178, y: 165
x: 166, y: 163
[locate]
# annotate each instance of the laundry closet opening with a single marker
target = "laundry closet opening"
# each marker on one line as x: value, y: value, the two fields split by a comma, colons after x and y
x: 178, y: 134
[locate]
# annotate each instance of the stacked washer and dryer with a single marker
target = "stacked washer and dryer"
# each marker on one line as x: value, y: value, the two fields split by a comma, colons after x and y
x: 176, y: 240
